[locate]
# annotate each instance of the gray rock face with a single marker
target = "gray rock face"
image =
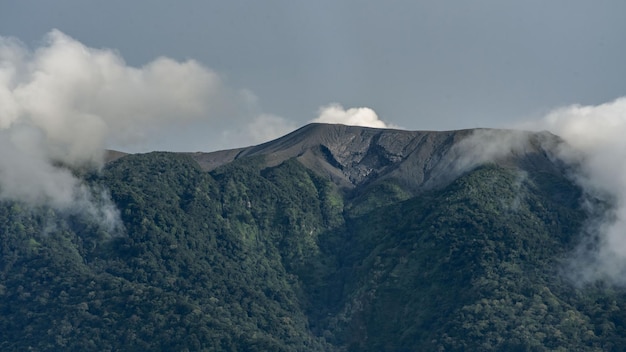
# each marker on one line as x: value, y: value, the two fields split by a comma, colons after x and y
x: 352, y: 156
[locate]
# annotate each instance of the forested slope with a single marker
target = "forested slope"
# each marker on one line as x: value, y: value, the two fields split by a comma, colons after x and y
x: 251, y: 257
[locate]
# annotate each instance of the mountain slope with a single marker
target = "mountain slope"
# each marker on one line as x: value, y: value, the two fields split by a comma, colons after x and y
x: 290, y: 246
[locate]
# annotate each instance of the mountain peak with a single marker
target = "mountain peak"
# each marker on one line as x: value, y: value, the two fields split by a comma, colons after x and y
x: 354, y: 155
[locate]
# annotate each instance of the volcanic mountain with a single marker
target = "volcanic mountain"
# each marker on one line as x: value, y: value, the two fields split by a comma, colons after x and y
x: 352, y: 156
x: 331, y: 238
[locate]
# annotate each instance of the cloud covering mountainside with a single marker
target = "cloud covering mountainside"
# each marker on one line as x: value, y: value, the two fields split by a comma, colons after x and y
x: 596, y: 135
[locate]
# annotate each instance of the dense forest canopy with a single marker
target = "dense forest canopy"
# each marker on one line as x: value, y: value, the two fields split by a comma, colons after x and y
x: 262, y: 253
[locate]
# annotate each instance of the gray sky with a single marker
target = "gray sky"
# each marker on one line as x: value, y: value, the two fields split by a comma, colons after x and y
x: 418, y: 64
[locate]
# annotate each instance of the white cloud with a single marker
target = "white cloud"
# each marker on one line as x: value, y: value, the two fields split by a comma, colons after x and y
x: 598, y: 137
x: 81, y: 98
x: 64, y: 102
x: 335, y: 113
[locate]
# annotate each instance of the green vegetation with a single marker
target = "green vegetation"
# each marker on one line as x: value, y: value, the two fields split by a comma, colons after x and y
x: 248, y: 258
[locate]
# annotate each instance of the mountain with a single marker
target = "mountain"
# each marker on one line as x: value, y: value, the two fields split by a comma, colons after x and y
x: 331, y: 238
x: 352, y: 156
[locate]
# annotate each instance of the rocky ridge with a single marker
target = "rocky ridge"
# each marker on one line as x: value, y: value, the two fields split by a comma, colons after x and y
x: 352, y: 156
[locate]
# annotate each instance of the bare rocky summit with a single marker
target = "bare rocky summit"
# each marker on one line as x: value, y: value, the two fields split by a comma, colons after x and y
x: 353, y: 156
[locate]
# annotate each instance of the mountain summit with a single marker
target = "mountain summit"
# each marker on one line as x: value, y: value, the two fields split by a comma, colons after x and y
x: 352, y: 156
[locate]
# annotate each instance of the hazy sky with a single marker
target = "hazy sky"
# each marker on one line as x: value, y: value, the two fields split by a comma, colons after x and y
x: 417, y: 64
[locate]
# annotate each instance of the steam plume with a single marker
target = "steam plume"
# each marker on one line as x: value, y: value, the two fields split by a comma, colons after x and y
x: 335, y: 113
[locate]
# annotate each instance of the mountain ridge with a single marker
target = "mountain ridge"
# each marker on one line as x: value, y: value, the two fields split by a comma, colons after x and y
x: 354, y: 155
